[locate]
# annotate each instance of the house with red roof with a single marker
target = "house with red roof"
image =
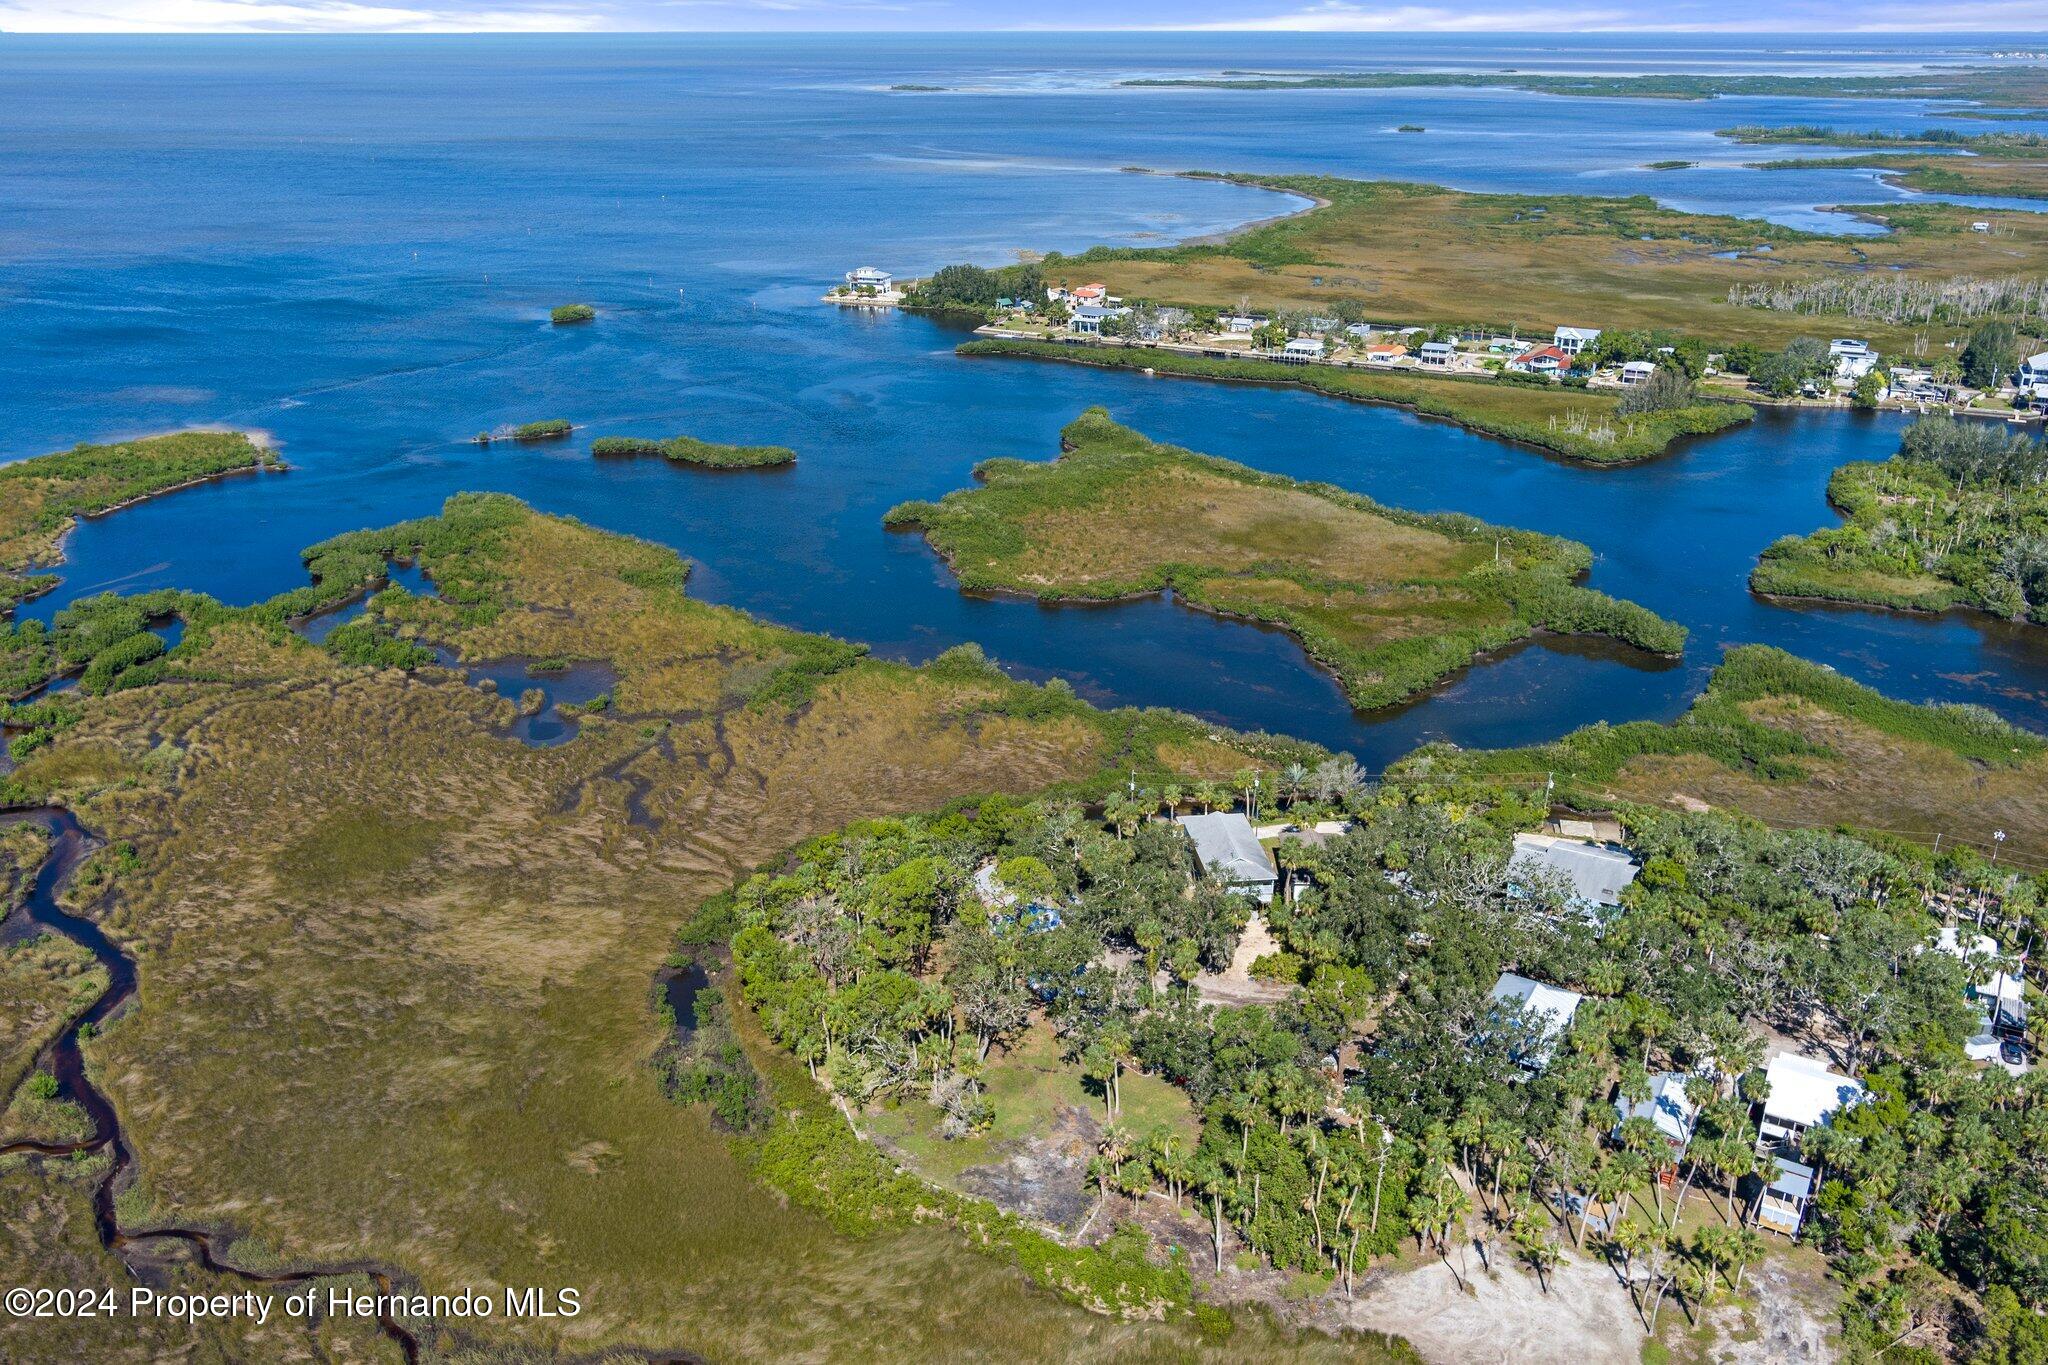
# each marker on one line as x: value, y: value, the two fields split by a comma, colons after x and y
x: 1544, y: 360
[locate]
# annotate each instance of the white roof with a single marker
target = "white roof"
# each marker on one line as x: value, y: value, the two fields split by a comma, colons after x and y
x: 1848, y: 346
x: 1225, y: 844
x: 991, y: 890
x: 2038, y: 361
x: 1550, y: 1007
x: 1638, y: 367
x: 1668, y: 1108
x: 868, y: 272
x: 1578, y: 333
x: 1805, y: 1092
x: 1598, y: 873
x: 1437, y: 347
x: 1313, y: 345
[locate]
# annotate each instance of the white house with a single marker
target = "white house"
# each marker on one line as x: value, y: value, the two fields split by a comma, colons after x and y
x: 1781, y: 1205
x: 1853, y: 359
x: 1636, y: 372
x: 1547, y: 1009
x: 1088, y: 318
x: 1226, y: 847
x: 2033, y: 370
x: 1543, y: 360
x: 867, y: 279
x: 1437, y: 354
x: 1572, y: 340
x: 1803, y: 1093
x: 1301, y: 350
x: 1240, y: 324
x: 1598, y: 873
x: 1670, y: 1111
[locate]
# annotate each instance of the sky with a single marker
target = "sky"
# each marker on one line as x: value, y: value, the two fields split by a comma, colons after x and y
x: 1808, y: 18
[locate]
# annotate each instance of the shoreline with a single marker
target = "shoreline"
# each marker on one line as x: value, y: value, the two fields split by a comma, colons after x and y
x: 1316, y: 202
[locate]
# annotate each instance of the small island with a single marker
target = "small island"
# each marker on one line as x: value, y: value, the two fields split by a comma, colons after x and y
x: 570, y: 313
x: 1958, y: 518
x: 1391, y: 601
x: 548, y: 429
x: 690, y: 450
x: 1411, y: 128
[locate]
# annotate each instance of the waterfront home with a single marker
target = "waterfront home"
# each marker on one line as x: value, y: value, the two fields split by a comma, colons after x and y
x: 1852, y: 358
x: 868, y: 280
x: 1669, y: 1110
x: 1546, y: 1009
x: 1088, y: 318
x: 1597, y: 873
x: 1543, y: 360
x: 1636, y: 372
x: 1301, y: 350
x: 1803, y: 1093
x: 2033, y: 370
x: 1362, y: 331
x: 1240, y: 324
x: 1091, y: 293
x: 1781, y: 1205
x: 1384, y: 354
x: 1572, y: 340
x: 1226, y: 847
x: 1438, y: 354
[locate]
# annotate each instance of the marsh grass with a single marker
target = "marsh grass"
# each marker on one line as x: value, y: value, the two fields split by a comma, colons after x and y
x: 1423, y: 254
x: 1389, y: 600
x: 395, y: 969
x: 1795, y: 743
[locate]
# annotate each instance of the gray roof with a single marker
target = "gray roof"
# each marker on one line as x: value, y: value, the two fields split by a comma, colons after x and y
x: 1598, y: 873
x: 1089, y: 310
x: 1668, y: 1108
x: 1225, y: 845
x: 1548, y: 1008
x: 1794, y: 1181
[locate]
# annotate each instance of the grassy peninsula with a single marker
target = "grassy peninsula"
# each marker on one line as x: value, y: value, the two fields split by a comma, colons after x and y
x: 1426, y: 255
x: 690, y: 450
x: 1794, y: 743
x: 40, y: 498
x: 2005, y: 165
x: 1958, y: 518
x: 1578, y: 423
x: 1390, y: 601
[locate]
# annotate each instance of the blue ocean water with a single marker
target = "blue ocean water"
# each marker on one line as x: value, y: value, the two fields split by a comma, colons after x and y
x: 352, y: 244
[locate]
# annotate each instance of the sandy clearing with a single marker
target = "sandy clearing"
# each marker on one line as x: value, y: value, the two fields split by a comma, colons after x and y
x: 1585, y: 1319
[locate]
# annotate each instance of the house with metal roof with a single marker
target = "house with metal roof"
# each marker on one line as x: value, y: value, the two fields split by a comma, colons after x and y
x: 1547, y: 1010
x: 1226, y: 847
x: 1437, y: 353
x: 1781, y: 1205
x: 1301, y: 350
x: 1598, y: 873
x: 1668, y: 1109
x: 1803, y: 1094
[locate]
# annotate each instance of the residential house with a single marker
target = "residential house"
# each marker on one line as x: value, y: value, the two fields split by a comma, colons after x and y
x: 1543, y: 360
x: 1853, y: 359
x: 1226, y: 847
x: 2033, y: 370
x: 1781, y: 1205
x: 1803, y: 1093
x: 1384, y: 354
x: 1636, y: 372
x: 1437, y: 354
x: 1572, y: 340
x: 1242, y: 324
x: 1088, y: 318
x: 1361, y: 331
x: 1301, y: 350
x: 1323, y: 326
x: 1035, y: 918
x: 1669, y: 1110
x: 1091, y: 294
x: 868, y: 280
x: 1598, y: 873
x: 2000, y: 998
x: 1548, y: 1010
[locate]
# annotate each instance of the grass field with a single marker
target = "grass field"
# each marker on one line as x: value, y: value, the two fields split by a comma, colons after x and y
x: 1390, y: 600
x: 1422, y: 254
x: 396, y: 971
x: 1799, y: 745
x: 1580, y: 423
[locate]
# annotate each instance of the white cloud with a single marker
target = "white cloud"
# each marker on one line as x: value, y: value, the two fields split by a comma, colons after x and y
x: 1343, y: 16
x: 1361, y: 16
x: 278, y: 16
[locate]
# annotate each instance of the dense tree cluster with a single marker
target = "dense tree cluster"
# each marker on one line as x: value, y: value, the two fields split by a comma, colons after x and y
x: 1389, y: 1094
